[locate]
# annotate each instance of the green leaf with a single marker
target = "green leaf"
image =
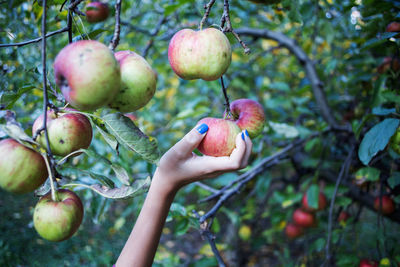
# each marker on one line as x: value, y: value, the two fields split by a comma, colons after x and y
x: 129, y: 135
x: 368, y: 173
x: 383, y: 111
x: 110, y: 139
x: 8, y: 98
x: 376, y: 139
x: 394, y: 180
x: 284, y: 129
x: 312, y: 196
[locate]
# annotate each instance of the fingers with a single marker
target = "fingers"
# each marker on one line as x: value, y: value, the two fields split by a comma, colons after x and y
x: 189, y: 142
x: 249, y: 147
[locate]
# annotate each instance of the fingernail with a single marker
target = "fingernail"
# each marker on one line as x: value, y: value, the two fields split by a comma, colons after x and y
x: 243, y: 136
x: 247, y: 133
x: 202, y: 128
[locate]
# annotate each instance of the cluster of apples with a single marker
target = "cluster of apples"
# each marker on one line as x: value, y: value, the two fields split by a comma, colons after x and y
x: 206, y: 54
x: 304, y: 217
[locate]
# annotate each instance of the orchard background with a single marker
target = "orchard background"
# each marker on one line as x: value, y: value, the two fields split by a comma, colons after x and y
x: 331, y: 111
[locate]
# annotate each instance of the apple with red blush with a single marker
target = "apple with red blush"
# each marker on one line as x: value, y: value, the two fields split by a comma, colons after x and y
x: 368, y: 263
x: 248, y: 115
x: 322, y: 202
x: 293, y: 231
x: 385, y: 205
x: 304, y: 218
x: 393, y: 26
x: 96, y: 12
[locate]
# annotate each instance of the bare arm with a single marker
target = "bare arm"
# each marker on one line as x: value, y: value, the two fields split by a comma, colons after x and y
x: 179, y: 166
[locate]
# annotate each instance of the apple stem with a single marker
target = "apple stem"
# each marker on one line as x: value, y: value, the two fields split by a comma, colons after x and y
x: 207, y: 7
x: 54, y: 195
x: 227, y: 104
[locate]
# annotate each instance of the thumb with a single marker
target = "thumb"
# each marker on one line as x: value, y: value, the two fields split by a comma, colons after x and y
x: 190, y: 141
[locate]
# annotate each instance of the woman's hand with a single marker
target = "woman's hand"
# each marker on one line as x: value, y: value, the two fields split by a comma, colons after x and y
x: 180, y: 166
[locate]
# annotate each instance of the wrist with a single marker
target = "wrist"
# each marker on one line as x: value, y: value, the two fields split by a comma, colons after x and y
x: 163, y: 186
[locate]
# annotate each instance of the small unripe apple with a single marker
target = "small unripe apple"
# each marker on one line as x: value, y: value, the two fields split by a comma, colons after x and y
x: 138, y: 82
x: 393, y: 27
x: 389, y: 63
x: 58, y: 220
x: 96, y: 12
x: 293, y: 230
x: 248, y: 115
x: 322, y: 202
x: 343, y: 216
x: 88, y: 74
x: 204, y: 54
x: 220, y: 139
x: 388, y: 205
x: 395, y: 141
x: 22, y: 169
x: 67, y: 132
x: 368, y: 263
x: 304, y: 218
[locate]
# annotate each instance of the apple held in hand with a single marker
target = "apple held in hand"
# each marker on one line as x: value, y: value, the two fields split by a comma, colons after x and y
x: 204, y: 54
x: 293, y: 231
x: 138, y: 82
x: 303, y: 218
x: 96, y: 12
x: 248, y: 115
x: 58, y: 220
x: 322, y: 202
x: 22, y: 169
x: 67, y: 132
x: 220, y: 139
x: 388, y: 205
x: 88, y: 74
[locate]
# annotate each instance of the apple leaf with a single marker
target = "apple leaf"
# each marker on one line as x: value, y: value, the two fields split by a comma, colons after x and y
x: 110, y: 139
x: 376, y: 139
x: 394, y: 180
x: 368, y: 173
x: 312, y: 196
x: 129, y: 135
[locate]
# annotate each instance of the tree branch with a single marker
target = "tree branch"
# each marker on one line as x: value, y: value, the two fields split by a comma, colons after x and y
x: 36, y: 40
x: 207, y: 7
x: 115, y: 40
x: 312, y: 75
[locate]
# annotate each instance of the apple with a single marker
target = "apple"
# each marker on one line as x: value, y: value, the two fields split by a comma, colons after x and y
x: 343, y: 216
x: 138, y: 82
x: 220, y: 139
x: 368, y: 263
x: 303, y: 218
x: 204, y: 54
x: 388, y: 205
x: 58, y: 220
x: 88, y: 74
x: 67, y: 132
x: 389, y: 63
x: 395, y: 141
x: 96, y: 12
x: 22, y: 169
x: 322, y: 202
x: 393, y: 27
x: 248, y: 115
x: 131, y: 116
x: 293, y: 230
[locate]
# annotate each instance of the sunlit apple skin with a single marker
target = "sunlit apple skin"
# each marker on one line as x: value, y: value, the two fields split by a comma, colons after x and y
x: 22, y: 170
x: 388, y: 205
x: 204, y: 54
x: 367, y: 263
x: 138, y: 82
x: 303, y: 218
x: 67, y: 132
x: 393, y: 27
x: 248, y: 115
x: 96, y: 12
x: 220, y: 139
x: 88, y: 74
x: 322, y: 202
x: 293, y: 231
x: 58, y: 220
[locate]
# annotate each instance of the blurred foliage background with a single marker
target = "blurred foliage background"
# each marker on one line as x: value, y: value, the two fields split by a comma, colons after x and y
x: 347, y: 42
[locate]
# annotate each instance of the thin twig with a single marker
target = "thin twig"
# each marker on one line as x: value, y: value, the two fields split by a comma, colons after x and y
x: 117, y: 30
x: 227, y: 104
x: 156, y: 30
x: 36, y: 40
x: 206, y: 187
x: 207, y: 7
x: 69, y: 23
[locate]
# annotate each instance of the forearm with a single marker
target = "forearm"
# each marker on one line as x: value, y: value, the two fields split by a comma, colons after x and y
x: 141, y: 246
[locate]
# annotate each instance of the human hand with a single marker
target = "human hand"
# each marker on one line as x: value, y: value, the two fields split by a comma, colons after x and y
x: 180, y: 166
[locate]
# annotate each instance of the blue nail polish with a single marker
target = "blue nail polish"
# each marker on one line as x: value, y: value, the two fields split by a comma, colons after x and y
x: 247, y: 133
x: 243, y: 136
x: 202, y: 128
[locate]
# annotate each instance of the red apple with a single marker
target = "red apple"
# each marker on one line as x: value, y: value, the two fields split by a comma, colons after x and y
x: 393, y: 27
x: 389, y: 63
x: 138, y: 82
x: 67, y: 132
x: 58, y: 220
x: 22, y: 169
x: 131, y: 116
x: 248, y: 115
x: 303, y: 218
x: 388, y: 205
x: 368, y: 263
x: 322, y: 202
x: 204, y: 54
x: 220, y: 139
x: 96, y: 12
x: 293, y: 231
x: 88, y: 74
x: 343, y: 216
